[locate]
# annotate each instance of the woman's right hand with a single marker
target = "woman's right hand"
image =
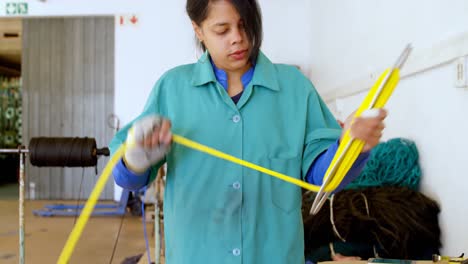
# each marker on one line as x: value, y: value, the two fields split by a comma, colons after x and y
x: 148, y: 141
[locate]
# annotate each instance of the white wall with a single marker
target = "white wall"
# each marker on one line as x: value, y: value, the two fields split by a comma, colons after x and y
x: 354, y: 38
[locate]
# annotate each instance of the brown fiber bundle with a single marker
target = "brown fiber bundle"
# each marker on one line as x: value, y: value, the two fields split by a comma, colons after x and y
x: 402, y: 223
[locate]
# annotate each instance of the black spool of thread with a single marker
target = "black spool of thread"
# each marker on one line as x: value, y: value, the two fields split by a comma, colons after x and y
x: 63, y: 152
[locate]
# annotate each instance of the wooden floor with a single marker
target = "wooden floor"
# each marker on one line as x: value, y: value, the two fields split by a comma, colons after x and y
x: 46, y: 236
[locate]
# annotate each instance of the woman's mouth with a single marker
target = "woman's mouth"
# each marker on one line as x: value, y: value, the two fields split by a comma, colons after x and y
x: 239, y: 55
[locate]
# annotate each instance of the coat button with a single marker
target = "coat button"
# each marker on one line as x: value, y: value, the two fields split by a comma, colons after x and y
x: 236, y: 252
x: 236, y: 118
x: 236, y: 185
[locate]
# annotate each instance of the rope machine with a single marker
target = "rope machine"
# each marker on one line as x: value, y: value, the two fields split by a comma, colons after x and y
x: 53, y: 152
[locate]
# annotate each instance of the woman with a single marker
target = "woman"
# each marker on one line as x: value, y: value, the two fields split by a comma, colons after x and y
x: 235, y: 100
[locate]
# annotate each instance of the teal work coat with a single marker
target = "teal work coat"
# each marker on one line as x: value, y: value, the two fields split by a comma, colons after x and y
x: 217, y: 212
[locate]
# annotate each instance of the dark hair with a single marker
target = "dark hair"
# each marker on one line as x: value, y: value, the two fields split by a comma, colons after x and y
x: 249, y: 12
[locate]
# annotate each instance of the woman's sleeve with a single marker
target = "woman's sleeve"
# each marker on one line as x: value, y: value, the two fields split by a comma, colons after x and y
x: 322, y: 130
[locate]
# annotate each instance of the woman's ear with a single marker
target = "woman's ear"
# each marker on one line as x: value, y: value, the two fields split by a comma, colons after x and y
x: 198, y: 31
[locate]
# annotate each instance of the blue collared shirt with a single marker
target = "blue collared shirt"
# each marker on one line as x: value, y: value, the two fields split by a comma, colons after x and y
x: 222, y: 78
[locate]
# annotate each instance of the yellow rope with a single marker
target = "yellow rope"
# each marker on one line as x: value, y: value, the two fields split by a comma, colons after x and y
x: 213, y: 152
x: 89, y: 206
x: 349, y: 155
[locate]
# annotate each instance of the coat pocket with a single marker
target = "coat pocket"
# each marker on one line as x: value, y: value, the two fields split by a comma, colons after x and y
x: 284, y: 195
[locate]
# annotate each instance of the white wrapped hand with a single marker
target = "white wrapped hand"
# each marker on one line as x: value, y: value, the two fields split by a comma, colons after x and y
x: 148, y: 141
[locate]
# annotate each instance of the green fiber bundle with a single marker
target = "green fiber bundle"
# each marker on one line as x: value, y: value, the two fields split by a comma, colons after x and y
x: 391, y: 163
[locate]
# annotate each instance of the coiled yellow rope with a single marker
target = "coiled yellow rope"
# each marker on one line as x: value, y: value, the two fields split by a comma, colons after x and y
x: 350, y: 148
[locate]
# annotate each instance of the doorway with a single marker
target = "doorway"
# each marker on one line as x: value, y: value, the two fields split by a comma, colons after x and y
x: 64, y: 67
x: 10, y: 103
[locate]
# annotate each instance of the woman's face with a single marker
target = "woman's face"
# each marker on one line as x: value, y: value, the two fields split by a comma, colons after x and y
x: 223, y: 34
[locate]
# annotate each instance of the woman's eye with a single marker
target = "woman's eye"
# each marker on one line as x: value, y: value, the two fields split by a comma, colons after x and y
x: 221, y: 32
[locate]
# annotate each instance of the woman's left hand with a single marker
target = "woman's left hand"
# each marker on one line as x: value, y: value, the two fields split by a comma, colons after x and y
x: 368, y: 127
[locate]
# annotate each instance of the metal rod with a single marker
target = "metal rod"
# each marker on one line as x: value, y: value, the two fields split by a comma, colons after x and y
x: 157, y: 230
x: 322, y: 195
x: 398, y: 64
x: 16, y: 151
x: 21, y: 205
x: 380, y: 89
x: 404, y: 56
x: 319, y: 199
